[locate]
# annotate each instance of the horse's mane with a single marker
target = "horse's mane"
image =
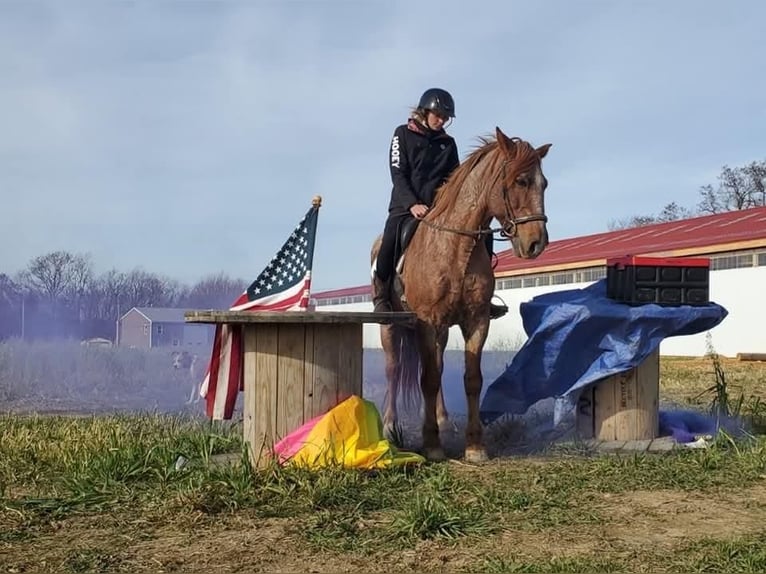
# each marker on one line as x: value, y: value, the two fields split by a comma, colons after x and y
x: 448, y: 193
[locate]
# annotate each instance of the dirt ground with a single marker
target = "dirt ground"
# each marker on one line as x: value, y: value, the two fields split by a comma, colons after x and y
x: 647, y: 524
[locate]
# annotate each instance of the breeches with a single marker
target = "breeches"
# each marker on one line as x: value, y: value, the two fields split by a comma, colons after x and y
x: 389, y: 246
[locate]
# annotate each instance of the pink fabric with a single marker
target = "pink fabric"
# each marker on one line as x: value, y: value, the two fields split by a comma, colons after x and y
x: 293, y: 442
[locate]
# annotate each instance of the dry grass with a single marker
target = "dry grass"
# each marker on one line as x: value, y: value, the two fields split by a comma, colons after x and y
x: 696, y: 384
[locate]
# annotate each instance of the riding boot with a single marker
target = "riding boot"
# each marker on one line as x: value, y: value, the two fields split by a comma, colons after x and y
x: 495, y: 311
x: 381, y: 295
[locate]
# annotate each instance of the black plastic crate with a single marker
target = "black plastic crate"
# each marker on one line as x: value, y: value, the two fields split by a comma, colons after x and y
x: 664, y: 281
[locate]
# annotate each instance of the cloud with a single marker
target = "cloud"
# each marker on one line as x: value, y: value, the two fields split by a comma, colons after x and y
x: 188, y: 138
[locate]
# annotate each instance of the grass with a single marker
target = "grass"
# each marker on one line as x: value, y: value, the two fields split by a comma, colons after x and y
x: 105, y: 494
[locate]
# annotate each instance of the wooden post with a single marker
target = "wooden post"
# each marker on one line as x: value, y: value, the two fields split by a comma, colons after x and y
x: 297, y: 365
x: 624, y: 406
x: 751, y: 356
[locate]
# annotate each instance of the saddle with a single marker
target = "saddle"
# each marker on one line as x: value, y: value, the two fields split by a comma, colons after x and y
x: 405, y: 233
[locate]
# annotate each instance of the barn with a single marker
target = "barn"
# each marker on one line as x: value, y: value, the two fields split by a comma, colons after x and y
x: 151, y: 327
x: 734, y: 242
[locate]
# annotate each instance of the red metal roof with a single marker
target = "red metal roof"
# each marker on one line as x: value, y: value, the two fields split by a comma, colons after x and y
x: 708, y: 231
x: 705, y: 233
x: 345, y: 292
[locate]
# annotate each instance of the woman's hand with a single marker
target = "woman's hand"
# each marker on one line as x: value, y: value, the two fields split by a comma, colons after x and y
x: 419, y: 210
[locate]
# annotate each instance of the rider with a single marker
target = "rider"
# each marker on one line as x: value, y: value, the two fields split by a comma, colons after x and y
x: 421, y: 157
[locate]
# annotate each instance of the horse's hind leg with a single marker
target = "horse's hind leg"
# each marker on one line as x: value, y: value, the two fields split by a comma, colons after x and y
x: 442, y: 416
x: 391, y: 341
x: 475, y: 335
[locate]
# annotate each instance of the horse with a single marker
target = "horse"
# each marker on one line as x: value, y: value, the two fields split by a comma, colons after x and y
x: 186, y: 362
x: 445, y: 277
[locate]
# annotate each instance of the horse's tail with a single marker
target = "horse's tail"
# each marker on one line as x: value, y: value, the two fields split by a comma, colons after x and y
x: 409, y: 371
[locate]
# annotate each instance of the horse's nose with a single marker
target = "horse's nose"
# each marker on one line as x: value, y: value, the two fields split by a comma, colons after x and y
x: 537, y: 247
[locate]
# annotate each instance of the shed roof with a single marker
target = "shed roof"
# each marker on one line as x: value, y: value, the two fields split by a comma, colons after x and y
x: 162, y: 314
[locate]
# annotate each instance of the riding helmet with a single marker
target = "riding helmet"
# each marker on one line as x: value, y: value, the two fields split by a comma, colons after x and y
x: 438, y: 100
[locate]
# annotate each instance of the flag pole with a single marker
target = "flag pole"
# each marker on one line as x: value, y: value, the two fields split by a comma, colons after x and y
x: 316, y: 203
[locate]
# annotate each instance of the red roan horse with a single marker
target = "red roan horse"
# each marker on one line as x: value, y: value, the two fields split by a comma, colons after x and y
x: 447, y: 278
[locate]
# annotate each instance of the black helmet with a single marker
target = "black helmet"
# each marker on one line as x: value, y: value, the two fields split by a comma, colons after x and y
x: 438, y: 100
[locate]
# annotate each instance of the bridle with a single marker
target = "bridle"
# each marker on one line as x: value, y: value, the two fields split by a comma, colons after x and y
x: 509, y: 229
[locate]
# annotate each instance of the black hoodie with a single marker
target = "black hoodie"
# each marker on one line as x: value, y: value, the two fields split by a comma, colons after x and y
x: 420, y: 159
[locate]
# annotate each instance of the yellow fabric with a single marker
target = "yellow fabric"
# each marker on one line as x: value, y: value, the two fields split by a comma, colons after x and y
x: 351, y: 435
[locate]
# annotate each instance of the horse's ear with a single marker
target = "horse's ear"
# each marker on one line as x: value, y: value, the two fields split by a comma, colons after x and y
x: 505, y: 143
x: 542, y: 151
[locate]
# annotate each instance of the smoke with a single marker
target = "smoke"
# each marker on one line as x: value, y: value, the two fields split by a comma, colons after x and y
x: 68, y: 376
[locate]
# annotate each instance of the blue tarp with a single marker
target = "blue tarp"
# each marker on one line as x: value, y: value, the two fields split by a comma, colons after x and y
x: 579, y: 336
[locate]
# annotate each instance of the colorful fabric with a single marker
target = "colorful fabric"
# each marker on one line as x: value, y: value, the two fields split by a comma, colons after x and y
x: 349, y: 435
x: 284, y: 285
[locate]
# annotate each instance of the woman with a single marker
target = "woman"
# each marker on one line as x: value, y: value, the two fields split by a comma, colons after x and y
x: 421, y: 157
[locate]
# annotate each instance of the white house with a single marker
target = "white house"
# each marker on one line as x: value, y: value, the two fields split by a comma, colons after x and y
x: 734, y: 242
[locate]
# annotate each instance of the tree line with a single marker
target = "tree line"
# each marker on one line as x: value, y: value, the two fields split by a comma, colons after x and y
x: 59, y: 295
x: 740, y: 187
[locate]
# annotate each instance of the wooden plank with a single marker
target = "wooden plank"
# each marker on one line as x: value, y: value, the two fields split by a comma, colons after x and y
x: 290, y: 374
x: 308, y: 374
x: 647, y: 415
x: 584, y: 416
x: 326, y: 358
x: 267, y: 388
x: 250, y: 394
x: 349, y: 362
x: 625, y: 409
x: 234, y: 317
x: 605, y: 407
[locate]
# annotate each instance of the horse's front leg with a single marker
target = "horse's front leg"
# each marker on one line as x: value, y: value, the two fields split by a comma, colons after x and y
x: 430, y: 384
x: 475, y: 334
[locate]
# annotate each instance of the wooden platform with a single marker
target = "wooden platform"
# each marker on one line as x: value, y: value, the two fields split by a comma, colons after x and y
x: 297, y: 365
x: 249, y: 317
x: 623, y: 407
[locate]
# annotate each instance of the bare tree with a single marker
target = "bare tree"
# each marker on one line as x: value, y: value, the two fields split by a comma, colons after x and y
x: 671, y: 212
x: 79, y: 282
x: 49, y: 274
x: 214, y: 292
x: 109, y: 295
x: 738, y: 188
x: 143, y: 289
x: 10, y: 307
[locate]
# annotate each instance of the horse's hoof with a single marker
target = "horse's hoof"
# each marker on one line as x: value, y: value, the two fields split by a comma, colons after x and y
x: 476, y: 455
x: 435, y: 454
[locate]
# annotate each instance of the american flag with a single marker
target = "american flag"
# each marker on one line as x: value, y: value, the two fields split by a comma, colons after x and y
x: 284, y: 285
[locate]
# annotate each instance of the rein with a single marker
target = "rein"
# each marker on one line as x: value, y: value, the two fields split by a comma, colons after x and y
x: 507, y: 231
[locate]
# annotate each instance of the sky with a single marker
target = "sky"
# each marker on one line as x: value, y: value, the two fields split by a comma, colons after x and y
x: 188, y: 138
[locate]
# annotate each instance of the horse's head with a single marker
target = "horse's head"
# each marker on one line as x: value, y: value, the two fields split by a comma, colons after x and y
x: 516, y: 200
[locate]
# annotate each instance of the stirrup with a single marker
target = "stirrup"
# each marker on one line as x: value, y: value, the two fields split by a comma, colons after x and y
x: 497, y: 311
